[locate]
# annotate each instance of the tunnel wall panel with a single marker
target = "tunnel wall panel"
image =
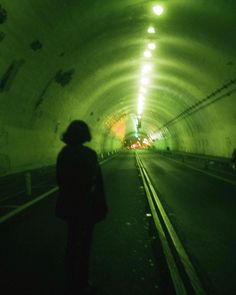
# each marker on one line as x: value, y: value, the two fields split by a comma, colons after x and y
x: 23, y: 149
x: 61, y: 61
x: 212, y: 131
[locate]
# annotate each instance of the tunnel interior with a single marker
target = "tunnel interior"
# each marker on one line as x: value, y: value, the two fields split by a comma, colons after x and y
x: 162, y: 70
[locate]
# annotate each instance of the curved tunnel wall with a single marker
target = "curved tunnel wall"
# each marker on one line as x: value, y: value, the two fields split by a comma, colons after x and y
x: 62, y: 60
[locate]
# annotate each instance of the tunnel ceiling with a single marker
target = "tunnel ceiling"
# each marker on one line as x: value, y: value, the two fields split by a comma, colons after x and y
x: 67, y: 59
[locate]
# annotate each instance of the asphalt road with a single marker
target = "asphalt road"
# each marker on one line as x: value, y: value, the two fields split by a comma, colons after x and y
x: 126, y: 255
x: 202, y: 209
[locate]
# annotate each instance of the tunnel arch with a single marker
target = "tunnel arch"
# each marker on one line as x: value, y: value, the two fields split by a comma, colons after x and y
x: 82, y: 59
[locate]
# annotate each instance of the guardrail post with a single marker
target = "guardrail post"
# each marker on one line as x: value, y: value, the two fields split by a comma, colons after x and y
x: 28, y: 183
x: 206, y: 164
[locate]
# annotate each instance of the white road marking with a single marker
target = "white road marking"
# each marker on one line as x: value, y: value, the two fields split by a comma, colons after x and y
x: 174, y: 272
x: 195, y: 282
x: 203, y: 171
x: 26, y: 205
x: 35, y: 200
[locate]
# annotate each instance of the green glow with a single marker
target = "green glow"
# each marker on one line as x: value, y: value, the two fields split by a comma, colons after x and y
x: 151, y: 30
x: 158, y: 9
x: 192, y: 60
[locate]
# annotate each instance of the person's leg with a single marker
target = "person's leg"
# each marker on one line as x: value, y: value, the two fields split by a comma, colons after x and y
x: 78, y: 253
x: 84, y: 255
x: 71, y: 254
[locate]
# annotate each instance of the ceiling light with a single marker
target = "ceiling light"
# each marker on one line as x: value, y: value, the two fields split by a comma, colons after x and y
x: 143, y: 90
x: 140, y: 108
x: 151, y: 30
x: 141, y: 97
x: 144, y: 81
x: 152, y: 46
x: 147, y: 54
x: 146, y: 68
x: 158, y: 9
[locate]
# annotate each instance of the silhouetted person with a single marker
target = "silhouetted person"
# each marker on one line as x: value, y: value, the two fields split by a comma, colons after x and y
x: 81, y: 201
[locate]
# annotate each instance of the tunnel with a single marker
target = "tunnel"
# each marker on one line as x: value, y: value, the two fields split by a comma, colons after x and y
x: 156, y: 83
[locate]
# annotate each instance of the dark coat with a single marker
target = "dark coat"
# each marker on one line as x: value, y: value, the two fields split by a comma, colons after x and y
x: 81, y: 191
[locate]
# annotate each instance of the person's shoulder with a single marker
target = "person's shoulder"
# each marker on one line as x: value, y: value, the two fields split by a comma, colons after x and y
x: 62, y: 151
x: 90, y: 151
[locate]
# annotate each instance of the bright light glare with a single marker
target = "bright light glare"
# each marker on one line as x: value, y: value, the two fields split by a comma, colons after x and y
x: 151, y: 30
x: 140, y: 104
x: 141, y: 98
x: 144, y: 81
x: 143, y: 90
x: 157, y: 135
x: 147, y: 54
x: 145, y: 141
x: 158, y: 9
x: 140, y: 107
x: 146, y: 69
x: 152, y: 46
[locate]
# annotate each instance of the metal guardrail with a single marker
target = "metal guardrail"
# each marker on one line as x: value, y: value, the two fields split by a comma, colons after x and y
x: 27, y: 181
x: 207, y: 160
x: 176, y: 257
x: 29, y: 187
x: 105, y: 155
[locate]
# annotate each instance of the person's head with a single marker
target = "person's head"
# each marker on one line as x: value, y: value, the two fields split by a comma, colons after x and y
x: 76, y: 133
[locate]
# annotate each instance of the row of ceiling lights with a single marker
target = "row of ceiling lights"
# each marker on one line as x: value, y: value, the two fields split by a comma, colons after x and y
x: 147, y: 67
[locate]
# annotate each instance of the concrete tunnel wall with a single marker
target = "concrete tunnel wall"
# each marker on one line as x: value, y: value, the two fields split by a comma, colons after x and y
x: 63, y: 60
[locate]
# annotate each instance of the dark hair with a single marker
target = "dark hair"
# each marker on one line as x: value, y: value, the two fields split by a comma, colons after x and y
x: 76, y: 133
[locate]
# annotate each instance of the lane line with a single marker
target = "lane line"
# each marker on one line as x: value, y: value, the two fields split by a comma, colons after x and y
x: 26, y: 205
x: 202, y: 171
x: 106, y: 160
x: 173, y: 269
x: 196, y: 284
x: 36, y: 200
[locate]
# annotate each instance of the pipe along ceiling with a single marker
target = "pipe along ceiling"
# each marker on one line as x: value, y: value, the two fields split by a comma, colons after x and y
x: 164, y: 70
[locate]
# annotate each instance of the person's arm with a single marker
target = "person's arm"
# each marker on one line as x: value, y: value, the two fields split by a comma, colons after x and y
x: 100, y: 208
